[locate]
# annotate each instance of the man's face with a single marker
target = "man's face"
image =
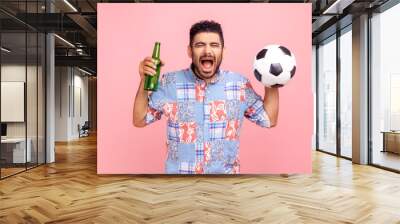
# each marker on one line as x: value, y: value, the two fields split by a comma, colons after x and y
x: 206, y: 53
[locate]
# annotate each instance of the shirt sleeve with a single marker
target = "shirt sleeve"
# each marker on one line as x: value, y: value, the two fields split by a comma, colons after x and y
x: 255, y: 111
x: 157, y: 99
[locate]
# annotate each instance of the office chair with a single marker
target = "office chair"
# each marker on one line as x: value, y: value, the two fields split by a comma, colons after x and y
x: 84, y: 130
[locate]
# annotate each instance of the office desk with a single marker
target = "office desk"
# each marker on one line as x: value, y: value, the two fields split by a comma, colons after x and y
x: 13, y: 150
x: 391, y: 141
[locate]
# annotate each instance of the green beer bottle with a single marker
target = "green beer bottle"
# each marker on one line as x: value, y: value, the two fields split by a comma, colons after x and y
x: 151, y: 82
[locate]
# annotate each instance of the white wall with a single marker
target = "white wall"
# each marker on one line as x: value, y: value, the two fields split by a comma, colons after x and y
x: 12, y: 101
x: 70, y: 83
x: 12, y: 73
x: 34, y: 125
x: 62, y: 78
x: 80, y: 84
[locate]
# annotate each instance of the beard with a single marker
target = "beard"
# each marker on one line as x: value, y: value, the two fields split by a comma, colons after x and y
x: 206, y: 67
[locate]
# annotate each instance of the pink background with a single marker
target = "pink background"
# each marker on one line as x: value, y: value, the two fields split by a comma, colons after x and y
x: 126, y: 34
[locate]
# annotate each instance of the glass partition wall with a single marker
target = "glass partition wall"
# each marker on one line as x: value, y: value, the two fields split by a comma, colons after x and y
x: 22, y: 88
x: 327, y: 95
x: 345, y: 61
x: 385, y: 90
x: 334, y: 94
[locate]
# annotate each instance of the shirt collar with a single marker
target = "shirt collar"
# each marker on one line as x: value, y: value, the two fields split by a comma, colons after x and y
x: 218, y: 77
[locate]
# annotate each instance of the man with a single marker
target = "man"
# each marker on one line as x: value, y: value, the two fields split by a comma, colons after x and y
x: 204, y: 106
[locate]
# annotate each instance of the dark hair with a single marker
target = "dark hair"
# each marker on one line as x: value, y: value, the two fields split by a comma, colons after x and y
x: 206, y: 26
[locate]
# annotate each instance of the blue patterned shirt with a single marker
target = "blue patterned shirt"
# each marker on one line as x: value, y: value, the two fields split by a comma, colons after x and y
x: 204, y: 121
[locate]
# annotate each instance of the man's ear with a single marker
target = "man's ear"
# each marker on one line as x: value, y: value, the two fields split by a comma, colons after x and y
x: 189, y: 51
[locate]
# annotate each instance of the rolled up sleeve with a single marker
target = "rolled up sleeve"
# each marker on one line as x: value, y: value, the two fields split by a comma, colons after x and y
x: 157, y: 100
x: 255, y: 111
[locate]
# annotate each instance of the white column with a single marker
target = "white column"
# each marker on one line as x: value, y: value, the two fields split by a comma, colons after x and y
x: 50, y: 110
x: 50, y: 92
x: 360, y: 90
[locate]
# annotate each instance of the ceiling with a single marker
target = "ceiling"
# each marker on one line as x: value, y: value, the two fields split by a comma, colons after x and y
x: 76, y: 22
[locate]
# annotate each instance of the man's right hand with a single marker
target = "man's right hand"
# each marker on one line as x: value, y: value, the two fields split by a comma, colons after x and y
x: 148, y: 66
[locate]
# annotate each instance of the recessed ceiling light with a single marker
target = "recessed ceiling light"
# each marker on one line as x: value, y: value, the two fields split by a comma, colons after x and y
x: 5, y: 50
x: 70, y: 5
x: 64, y: 40
x: 337, y: 7
x: 84, y: 71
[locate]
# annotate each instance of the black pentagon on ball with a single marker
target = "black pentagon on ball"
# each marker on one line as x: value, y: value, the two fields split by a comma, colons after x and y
x: 293, y: 71
x: 277, y: 86
x: 257, y: 75
x: 285, y: 50
x: 261, y: 54
x: 275, y: 69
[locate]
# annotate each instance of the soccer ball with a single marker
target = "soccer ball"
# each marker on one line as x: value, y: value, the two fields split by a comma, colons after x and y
x: 274, y: 66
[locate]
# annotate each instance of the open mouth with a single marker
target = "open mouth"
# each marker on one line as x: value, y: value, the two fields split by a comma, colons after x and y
x: 207, y: 64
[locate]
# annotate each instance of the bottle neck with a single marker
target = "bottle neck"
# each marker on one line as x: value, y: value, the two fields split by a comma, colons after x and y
x: 156, y: 50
